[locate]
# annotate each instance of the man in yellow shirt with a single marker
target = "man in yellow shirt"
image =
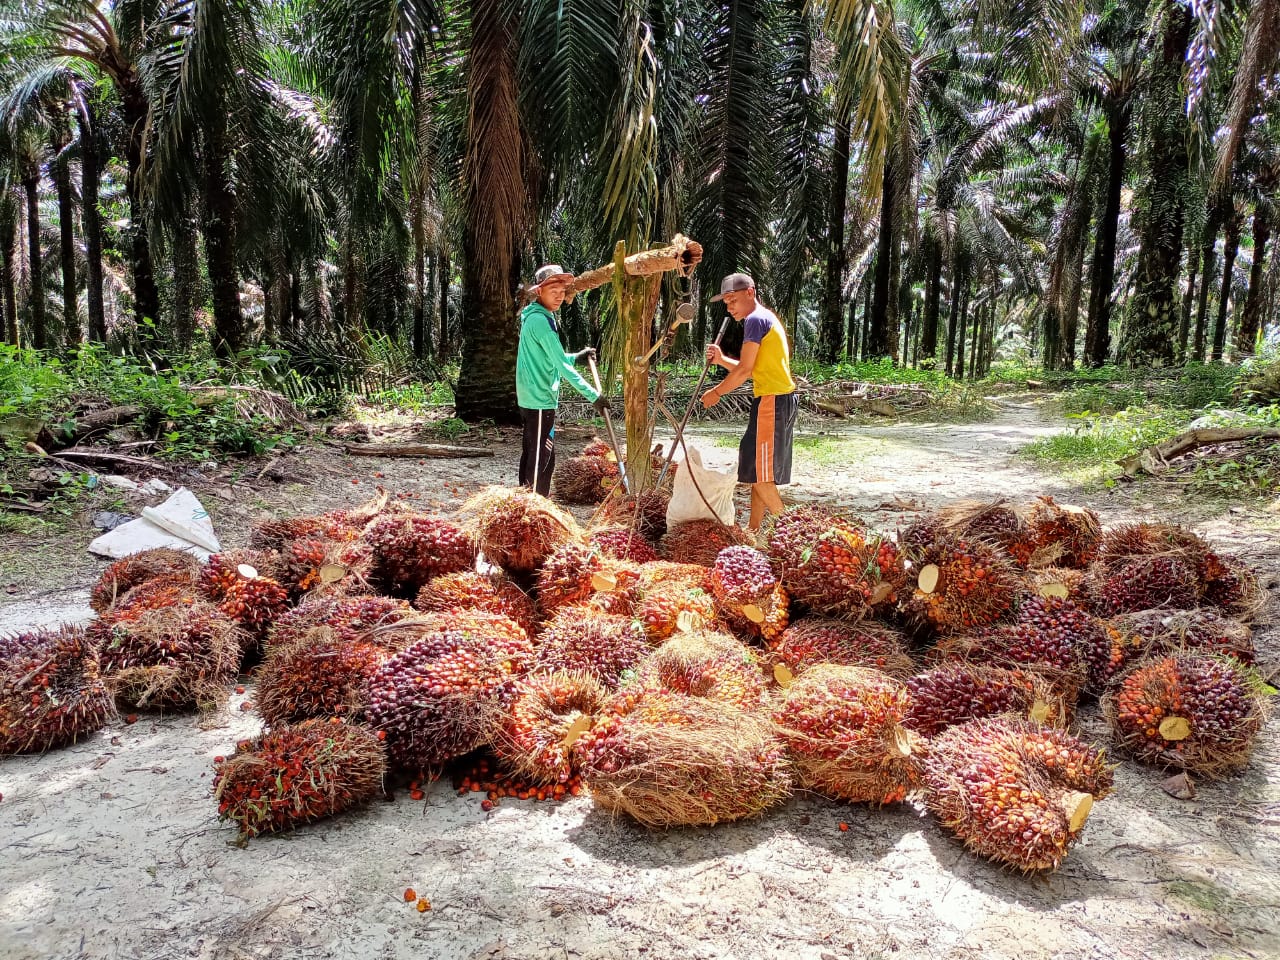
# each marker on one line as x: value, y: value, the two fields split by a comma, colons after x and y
x: 764, y: 455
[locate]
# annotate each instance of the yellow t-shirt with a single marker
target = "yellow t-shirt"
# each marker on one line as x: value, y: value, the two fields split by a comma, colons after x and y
x: 771, y: 375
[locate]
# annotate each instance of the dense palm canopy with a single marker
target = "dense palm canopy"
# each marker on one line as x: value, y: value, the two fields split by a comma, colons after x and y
x: 931, y: 181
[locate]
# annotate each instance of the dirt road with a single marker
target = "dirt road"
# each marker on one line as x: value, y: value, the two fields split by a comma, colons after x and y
x: 112, y: 848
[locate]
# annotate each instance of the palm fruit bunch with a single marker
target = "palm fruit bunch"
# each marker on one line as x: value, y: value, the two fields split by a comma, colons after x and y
x: 668, y: 760
x: 541, y: 720
x: 814, y: 640
x: 622, y: 543
x: 347, y: 617
x: 957, y: 692
x: 1012, y: 791
x: 598, y: 448
x: 166, y: 590
x: 1143, y: 583
x: 1230, y: 585
x: 410, y: 549
x: 706, y: 664
x: 1058, y: 638
x: 468, y: 589
x: 436, y: 698
x: 1192, y: 712
x: 275, y: 534
x: 585, y: 479
x: 51, y: 690
x: 254, y: 602
x: 767, y: 622
x: 605, y: 647
x: 670, y: 599
x: 700, y: 541
x: 174, y: 658
x: 298, y: 774
x: 123, y: 575
x: 1123, y: 543
x: 960, y: 585
x: 646, y: 513
x: 843, y: 727
x: 742, y: 582
x: 573, y: 573
x: 1065, y: 535
x: 791, y: 534
x: 222, y: 571
x: 320, y: 675
x: 994, y: 522
x: 1164, y: 632
x: 320, y: 566
x: 847, y: 572
x: 517, y: 529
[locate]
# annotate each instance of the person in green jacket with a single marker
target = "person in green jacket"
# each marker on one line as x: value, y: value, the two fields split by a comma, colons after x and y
x: 540, y: 363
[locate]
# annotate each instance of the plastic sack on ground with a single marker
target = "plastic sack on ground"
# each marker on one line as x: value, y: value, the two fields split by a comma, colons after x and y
x: 716, y: 486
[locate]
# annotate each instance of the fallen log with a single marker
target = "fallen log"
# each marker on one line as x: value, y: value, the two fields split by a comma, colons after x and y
x: 1155, y: 459
x: 681, y: 253
x: 438, y: 450
x: 106, y: 456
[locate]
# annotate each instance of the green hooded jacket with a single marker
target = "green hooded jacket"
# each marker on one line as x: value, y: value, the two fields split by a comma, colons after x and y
x: 541, y: 362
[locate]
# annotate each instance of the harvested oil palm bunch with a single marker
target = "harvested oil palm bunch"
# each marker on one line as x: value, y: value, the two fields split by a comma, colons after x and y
x: 957, y: 692
x: 540, y: 722
x: 1065, y: 535
x: 410, y: 549
x: 51, y: 690
x: 706, y: 664
x: 605, y: 647
x: 479, y: 591
x: 700, y: 541
x: 123, y: 575
x: 517, y: 529
x: 814, y: 640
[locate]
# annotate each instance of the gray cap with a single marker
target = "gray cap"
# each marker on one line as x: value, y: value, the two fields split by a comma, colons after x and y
x: 551, y: 271
x: 732, y: 284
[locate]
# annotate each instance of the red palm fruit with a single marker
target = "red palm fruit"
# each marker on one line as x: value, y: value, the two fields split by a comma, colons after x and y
x: 766, y: 622
x: 348, y: 617
x: 673, y: 605
x: 1014, y: 792
x: 668, y: 760
x: 847, y: 572
x: 1230, y: 585
x: 298, y: 774
x: 1189, y: 712
x: 172, y: 658
x: 741, y: 576
x: 541, y: 721
x: 319, y: 676
x: 956, y: 692
x: 605, y: 647
x: 471, y: 590
x: 599, y: 449
x: 573, y: 573
x: 1065, y: 535
x: 123, y: 575
x: 646, y: 513
x: 51, y: 690
x: 622, y: 544
x: 1143, y: 584
x: 789, y: 536
x: 960, y: 586
x: 410, y: 549
x: 814, y: 640
x: 436, y: 698
x: 843, y: 727
x: 700, y: 541
x: 517, y: 529
x: 706, y: 664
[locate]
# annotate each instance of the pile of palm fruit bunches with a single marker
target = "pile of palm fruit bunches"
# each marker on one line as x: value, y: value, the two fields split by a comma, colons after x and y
x: 691, y: 675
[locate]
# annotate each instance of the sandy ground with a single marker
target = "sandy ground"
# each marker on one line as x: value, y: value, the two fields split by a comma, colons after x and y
x: 112, y: 848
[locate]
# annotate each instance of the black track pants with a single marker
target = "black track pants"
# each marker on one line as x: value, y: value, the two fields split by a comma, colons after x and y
x: 538, y: 452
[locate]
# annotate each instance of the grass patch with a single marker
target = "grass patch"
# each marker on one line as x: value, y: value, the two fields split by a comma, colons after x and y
x: 1090, y: 451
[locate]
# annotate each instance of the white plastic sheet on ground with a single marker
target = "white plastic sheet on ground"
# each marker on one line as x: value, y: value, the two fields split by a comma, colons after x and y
x: 716, y: 488
x: 181, y: 523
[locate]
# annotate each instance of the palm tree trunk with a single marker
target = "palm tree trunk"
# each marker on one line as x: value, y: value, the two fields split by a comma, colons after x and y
x: 932, y: 296
x: 959, y: 280
x: 35, y: 302
x: 832, y: 314
x: 962, y: 324
x: 146, y: 296
x: 851, y: 329
x: 60, y: 171
x: 495, y: 202
x: 444, y: 268
x: 220, y: 240
x: 1188, y: 300
x: 1251, y: 317
x: 186, y: 283
x: 90, y: 172
x: 1231, y: 246
x: 1102, y: 272
x: 1208, y: 263
x: 8, y: 268
x: 1151, y: 328
x: 879, y: 343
